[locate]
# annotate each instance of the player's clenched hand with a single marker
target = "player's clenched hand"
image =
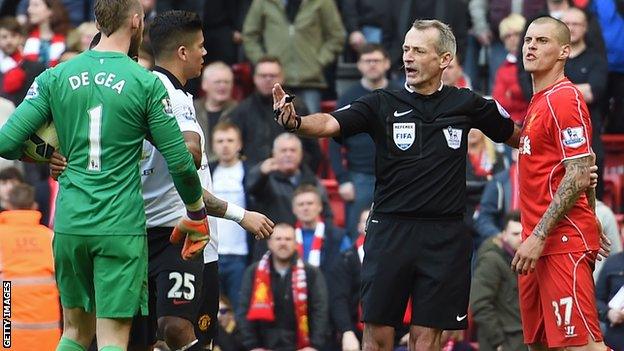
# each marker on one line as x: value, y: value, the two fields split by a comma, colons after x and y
x: 527, y: 255
x: 195, y: 233
x: 615, y: 316
x: 284, y: 109
x: 257, y: 224
x: 58, y: 163
x: 593, y: 172
x: 605, y: 243
x: 347, y: 191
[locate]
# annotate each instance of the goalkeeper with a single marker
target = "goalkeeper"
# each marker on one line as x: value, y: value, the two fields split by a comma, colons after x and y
x: 103, y: 105
x: 183, y: 291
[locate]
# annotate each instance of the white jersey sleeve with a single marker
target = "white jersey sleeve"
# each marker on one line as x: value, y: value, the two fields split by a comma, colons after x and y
x: 163, y: 205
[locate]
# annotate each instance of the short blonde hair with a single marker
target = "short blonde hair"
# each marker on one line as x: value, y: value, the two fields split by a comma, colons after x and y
x: 446, y: 38
x: 512, y: 23
x: 216, y: 66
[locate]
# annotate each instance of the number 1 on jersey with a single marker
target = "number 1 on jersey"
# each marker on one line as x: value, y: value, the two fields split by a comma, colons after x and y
x: 95, y: 134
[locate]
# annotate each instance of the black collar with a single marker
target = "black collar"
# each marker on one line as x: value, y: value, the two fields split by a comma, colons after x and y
x: 176, y: 83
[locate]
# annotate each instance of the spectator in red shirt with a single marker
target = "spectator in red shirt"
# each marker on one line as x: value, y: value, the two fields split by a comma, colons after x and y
x: 507, y: 90
x: 16, y: 73
x: 49, y: 25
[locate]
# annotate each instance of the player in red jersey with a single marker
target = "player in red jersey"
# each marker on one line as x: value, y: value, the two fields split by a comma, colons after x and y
x: 561, y: 238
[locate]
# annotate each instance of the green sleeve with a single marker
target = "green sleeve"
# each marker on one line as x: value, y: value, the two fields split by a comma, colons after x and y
x: 167, y: 138
x: 29, y: 116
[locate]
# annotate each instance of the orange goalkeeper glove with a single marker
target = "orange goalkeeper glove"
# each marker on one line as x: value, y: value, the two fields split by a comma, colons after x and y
x: 194, y: 229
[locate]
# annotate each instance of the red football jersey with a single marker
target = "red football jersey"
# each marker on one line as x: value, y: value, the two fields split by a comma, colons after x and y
x: 557, y: 127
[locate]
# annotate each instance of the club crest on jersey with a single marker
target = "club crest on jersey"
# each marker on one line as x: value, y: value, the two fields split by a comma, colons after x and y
x: 403, y: 135
x: 573, y: 137
x: 33, y: 91
x: 453, y: 137
x: 167, y: 106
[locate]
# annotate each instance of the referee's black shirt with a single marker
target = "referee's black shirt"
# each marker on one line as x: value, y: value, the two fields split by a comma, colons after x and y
x: 420, y: 162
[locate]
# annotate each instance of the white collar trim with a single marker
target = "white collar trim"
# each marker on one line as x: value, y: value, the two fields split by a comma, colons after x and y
x: 413, y: 91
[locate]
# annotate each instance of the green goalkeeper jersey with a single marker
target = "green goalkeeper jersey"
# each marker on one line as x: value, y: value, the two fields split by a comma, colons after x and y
x: 103, y: 105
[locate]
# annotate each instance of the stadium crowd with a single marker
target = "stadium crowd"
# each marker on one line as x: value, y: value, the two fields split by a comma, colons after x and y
x: 328, y: 53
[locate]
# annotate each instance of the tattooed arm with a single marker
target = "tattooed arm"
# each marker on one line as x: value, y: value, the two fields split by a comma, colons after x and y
x: 591, y: 198
x: 254, y: 222
x: 214, y: 206
x: 574, y: 183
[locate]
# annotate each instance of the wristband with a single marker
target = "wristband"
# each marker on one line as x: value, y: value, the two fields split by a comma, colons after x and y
x: 196, y: 210
x: 234, y: 213
x: 197, y: 215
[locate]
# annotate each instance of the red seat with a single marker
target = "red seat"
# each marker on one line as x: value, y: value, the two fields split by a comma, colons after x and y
x: 614, y: 153
x: 613, y: 191
x: 243, y: 80
x: 335, y: 201
x: 325, y: 170
x: 328, y: 106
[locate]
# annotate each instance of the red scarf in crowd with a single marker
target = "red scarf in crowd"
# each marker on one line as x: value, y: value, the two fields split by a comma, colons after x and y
x: 261, y: 307
x: 10, y: 62
x: 32, y: 47
x: 14, y: 75
x: 314, y: 258
x: 481, y: 164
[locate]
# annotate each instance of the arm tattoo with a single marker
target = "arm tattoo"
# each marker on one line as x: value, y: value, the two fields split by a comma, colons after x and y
x: 214, y: 206
x: 574, y: 183
x: 591, y: 198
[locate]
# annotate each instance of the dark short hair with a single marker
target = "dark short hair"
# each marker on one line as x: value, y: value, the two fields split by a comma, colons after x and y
x: 171, y: 29
x: 267, y: 59
x: 111, y: 14
x: 12, y: 25
x: 512, y: 216
x: 11, y: 173
x: 21, y: 197
x: 369, y: 48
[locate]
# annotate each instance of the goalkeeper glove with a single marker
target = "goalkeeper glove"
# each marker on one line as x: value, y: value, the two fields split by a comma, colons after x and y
x: 194, y: 230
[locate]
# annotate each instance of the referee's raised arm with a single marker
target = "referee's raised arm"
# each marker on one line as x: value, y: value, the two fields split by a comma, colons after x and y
x: 315, y: 125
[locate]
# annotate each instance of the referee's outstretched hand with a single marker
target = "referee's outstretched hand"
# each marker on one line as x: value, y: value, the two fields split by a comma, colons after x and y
x: 283, y: 108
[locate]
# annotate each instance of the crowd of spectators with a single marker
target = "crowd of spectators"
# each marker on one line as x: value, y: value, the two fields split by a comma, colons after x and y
x: 319, y: 193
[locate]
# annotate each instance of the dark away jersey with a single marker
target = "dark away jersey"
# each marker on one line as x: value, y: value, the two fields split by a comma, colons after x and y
x: 420, y: 162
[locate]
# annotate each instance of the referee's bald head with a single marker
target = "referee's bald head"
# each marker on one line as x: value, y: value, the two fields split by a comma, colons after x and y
x: 560, y: 30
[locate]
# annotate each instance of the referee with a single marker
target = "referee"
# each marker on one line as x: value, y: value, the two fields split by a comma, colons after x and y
x: 416, y: 244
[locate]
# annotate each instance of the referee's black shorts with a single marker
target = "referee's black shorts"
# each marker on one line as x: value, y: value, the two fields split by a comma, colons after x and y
x: 428, y: 260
